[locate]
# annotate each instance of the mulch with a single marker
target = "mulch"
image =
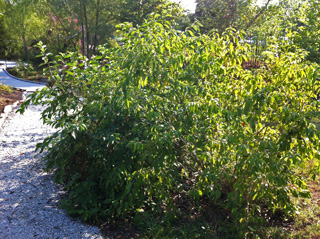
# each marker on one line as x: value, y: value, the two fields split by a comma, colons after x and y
x: 9, y: 98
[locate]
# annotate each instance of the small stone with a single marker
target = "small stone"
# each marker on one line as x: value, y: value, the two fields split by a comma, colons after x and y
x: 22, y: 177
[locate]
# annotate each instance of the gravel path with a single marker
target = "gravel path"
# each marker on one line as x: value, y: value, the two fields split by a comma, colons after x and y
x: 28, y: 197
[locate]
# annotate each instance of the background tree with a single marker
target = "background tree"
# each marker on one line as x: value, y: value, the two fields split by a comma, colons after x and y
x: 307, y: 24
x: 2, y: 32
x: 185, y: 21
x: 291, y: 21
x: 58, y: 23
x: 237, y: 14
x: 214, y: 14
x: 136, y: 11
x: 24, y: 23
x: 98, y: 16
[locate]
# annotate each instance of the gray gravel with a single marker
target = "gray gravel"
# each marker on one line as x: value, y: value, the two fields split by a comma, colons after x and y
x: 28, y: 197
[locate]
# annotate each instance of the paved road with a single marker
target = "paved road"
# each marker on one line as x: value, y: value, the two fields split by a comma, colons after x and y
x: 7, y: 64
x: 20, y: 84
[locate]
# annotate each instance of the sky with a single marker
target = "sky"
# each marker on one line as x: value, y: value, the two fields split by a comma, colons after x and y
x: 187, y: 4
x: 191, y: 4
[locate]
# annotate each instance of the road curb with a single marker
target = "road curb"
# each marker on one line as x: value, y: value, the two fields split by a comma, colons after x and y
x: 9, y: 108
x: 34, y: 82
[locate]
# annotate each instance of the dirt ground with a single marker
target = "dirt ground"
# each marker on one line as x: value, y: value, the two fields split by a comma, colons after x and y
x: 9, y: 98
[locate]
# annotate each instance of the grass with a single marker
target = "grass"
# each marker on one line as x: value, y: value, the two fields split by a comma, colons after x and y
x: 307, y: 222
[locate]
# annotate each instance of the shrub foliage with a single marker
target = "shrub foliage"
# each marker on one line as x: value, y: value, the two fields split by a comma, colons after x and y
x: 172, y: 113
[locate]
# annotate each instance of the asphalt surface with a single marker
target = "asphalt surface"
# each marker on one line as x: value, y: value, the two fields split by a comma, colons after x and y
x: 6, y: 79
x: 7, y: 64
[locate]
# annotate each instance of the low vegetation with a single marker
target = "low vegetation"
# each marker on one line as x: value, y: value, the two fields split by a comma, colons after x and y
x: 8, y: 96
x: 6, y: 88
x: 171, y: 127
x: 28, y: 72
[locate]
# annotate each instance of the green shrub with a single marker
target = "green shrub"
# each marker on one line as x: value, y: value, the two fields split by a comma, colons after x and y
x: 171, y: 114
x: 23, y: 70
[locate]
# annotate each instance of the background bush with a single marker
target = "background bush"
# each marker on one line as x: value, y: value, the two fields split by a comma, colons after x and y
x: 23, y: 70
x: 173, y: 116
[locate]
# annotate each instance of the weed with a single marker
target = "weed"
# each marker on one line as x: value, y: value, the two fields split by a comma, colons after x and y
x: 6, y: 88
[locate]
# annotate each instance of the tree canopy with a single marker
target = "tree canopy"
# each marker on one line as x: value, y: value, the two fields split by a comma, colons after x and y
x: 220, y: 15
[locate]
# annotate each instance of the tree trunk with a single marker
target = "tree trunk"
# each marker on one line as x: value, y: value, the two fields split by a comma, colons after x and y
x: 95, y: 38
x: 87, y: 26
x: 25, y: 47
